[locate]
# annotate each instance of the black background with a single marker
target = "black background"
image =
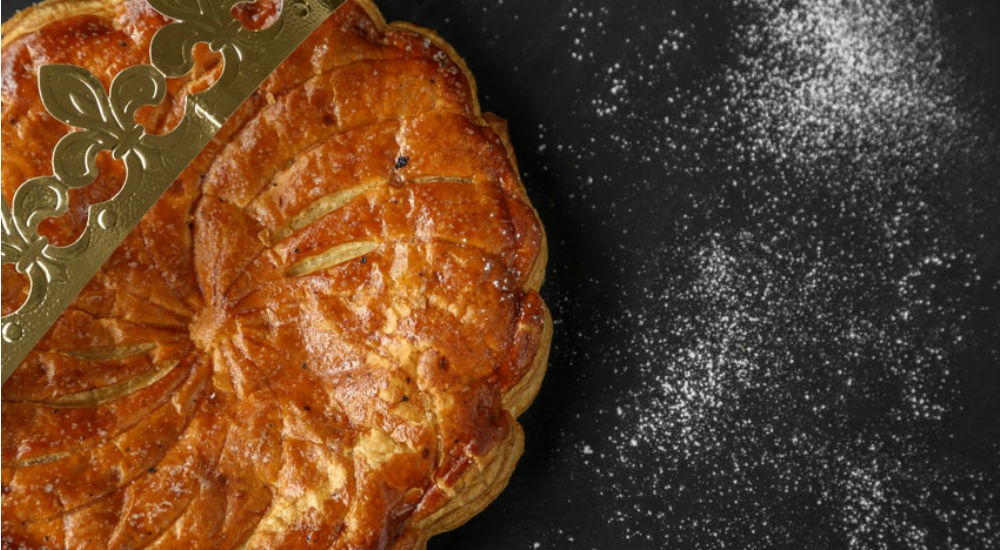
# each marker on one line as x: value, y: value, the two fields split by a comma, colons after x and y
x: 610, y: 241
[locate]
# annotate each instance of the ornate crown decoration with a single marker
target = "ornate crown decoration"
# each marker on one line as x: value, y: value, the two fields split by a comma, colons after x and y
x: 152, y: 162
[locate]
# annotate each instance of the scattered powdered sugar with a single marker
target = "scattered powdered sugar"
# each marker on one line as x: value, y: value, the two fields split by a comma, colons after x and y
x: 784, y: 213
x: 793, y: 360
x: 868, y: 72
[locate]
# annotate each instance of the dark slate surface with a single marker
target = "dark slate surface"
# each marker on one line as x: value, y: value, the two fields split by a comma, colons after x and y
x: 751, y: 349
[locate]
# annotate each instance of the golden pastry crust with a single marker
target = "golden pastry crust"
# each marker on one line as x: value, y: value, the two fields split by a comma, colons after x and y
x: 321, y: 335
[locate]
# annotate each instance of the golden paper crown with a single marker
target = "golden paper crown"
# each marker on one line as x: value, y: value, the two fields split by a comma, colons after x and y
x: 152, y: 162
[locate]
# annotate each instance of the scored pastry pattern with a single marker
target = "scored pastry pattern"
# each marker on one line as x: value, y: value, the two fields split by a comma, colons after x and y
x: 107, y: 122
x: 320, y: 336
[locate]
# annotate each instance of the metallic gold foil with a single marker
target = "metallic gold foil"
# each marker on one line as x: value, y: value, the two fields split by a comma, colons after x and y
x: 152, y: 162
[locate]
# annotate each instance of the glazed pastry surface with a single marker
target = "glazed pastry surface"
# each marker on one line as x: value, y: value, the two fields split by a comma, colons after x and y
x: 319, y: 337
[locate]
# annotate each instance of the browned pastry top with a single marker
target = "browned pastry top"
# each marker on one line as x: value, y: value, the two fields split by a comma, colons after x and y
x: 319, y: 337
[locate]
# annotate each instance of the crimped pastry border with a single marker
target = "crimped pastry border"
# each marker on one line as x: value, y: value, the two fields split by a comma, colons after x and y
x: 483, y: 482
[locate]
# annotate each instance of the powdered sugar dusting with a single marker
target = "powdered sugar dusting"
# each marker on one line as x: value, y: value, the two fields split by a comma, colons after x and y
x: 771, y: 279
x: 799, y: 337
x: 807, y: 353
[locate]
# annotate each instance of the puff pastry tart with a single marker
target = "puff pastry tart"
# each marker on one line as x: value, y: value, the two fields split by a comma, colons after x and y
x: 319, y: 337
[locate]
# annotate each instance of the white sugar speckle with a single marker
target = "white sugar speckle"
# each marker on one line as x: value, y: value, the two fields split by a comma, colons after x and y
x: 800, y: 336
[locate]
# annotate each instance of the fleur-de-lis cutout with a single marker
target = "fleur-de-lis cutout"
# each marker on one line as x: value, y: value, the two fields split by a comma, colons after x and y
x: 76, y: 97
x: 15, y: 242
x: 106, y: 122
x: 22, y: 245
x: 209, y: 21
x: 43, y: 197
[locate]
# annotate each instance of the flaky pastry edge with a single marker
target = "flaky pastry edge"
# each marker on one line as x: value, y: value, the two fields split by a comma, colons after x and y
x: 488, y: 477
